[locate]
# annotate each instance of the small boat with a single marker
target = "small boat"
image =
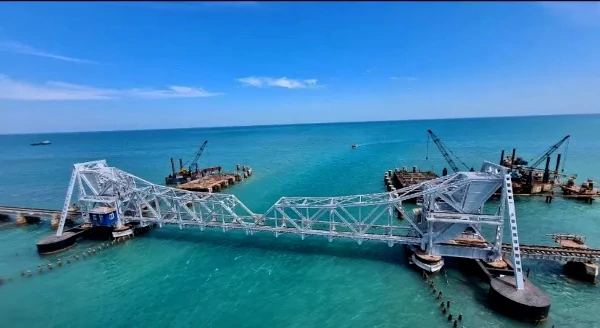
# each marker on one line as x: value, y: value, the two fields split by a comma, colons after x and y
x: 354, y: 146
x: 43, y: 143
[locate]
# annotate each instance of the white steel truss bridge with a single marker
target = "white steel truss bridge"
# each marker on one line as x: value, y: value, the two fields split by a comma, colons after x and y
x: 452, y: 209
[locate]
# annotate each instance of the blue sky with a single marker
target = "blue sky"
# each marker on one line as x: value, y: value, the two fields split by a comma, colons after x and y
x: 106, y: 66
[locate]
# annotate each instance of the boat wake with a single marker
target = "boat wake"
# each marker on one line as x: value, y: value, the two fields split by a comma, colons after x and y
x: 380, y: 142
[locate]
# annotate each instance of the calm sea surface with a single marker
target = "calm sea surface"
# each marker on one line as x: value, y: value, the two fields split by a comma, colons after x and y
x: 188, y: 278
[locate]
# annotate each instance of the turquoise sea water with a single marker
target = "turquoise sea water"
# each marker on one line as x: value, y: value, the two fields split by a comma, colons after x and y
x: 188, y: 278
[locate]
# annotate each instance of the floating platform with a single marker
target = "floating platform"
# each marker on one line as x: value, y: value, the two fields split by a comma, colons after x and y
x: 186, y: 176
x: 586, y: 192
x: 570, y: 241
x: 402, y: 178
x: 216, y: 181
x: 535, y: 189
x: 586, y: 271
x: 587, y: 198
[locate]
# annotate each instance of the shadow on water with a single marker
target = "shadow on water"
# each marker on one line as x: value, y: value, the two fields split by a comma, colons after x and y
x: 284, y: 243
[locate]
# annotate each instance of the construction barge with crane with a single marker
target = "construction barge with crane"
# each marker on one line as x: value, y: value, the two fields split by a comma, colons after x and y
x: 402, y: 178
x: 209, y: 179
x: 527, y: 178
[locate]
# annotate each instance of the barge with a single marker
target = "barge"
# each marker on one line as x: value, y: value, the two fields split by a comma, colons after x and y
x: 402, y: 178
x: 214, y: 180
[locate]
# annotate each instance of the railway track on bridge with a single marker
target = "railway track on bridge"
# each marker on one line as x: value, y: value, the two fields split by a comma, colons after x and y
x: 31, y: 210
x: 556, y: 253
x: 528, y: 251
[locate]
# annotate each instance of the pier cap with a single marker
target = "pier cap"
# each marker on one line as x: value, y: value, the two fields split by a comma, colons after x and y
x: 528, y: 304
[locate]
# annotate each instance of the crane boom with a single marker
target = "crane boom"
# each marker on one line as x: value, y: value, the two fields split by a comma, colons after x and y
x: 548, y: 152
x: 446, y: 153
x: 198, y: 154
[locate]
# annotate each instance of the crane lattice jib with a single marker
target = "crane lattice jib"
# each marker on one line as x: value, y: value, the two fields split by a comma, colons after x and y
x: 446, y: 153
x: 198, y: 154
x: 548, y: 152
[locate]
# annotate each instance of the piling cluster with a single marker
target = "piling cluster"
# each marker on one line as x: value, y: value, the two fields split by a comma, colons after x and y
x: 387, y: 179
x: 389, y: 185
x: 37, y: 216
x: 27, y: 219
x: 50, y: 266
x: 444, y: 305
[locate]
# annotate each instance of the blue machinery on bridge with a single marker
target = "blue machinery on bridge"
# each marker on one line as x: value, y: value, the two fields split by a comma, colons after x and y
x: 452, y: 209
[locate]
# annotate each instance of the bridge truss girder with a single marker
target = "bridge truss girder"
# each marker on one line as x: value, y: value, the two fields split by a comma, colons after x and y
x: 451, y: 204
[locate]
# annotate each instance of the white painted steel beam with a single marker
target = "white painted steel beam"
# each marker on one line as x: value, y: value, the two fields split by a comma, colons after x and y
x: 448, y: 200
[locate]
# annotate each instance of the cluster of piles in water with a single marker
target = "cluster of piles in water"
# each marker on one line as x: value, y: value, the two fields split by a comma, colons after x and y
x: 444, y: 306
x: 49, y: 265
x: 22, y: 219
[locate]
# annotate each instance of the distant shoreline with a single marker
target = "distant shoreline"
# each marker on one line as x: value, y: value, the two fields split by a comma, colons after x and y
x: 297, y: 124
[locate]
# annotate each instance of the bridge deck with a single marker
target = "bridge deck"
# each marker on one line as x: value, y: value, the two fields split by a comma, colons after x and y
x: 553, y: 253
x: 250, y: 228
x: 32, y: 211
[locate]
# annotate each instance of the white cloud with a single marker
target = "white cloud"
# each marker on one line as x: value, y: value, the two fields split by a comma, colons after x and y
x: 11, y: 89
x: 20, y: 48
x: 403, y: 78
x: 583, y: 13
x: 173, y: 91
x: 282, y: 82
x: 251, y: 81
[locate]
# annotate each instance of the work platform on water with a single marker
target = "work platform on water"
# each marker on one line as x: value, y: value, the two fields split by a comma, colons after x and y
x: 529, y: 180
x: 526, y: 178
x: 214, y: 180
x: 210, y: 179
x: 451, y: 211
x: 403, y: 178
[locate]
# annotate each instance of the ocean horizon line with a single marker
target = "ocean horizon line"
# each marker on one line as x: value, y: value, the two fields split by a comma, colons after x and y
x: 298, y: 124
